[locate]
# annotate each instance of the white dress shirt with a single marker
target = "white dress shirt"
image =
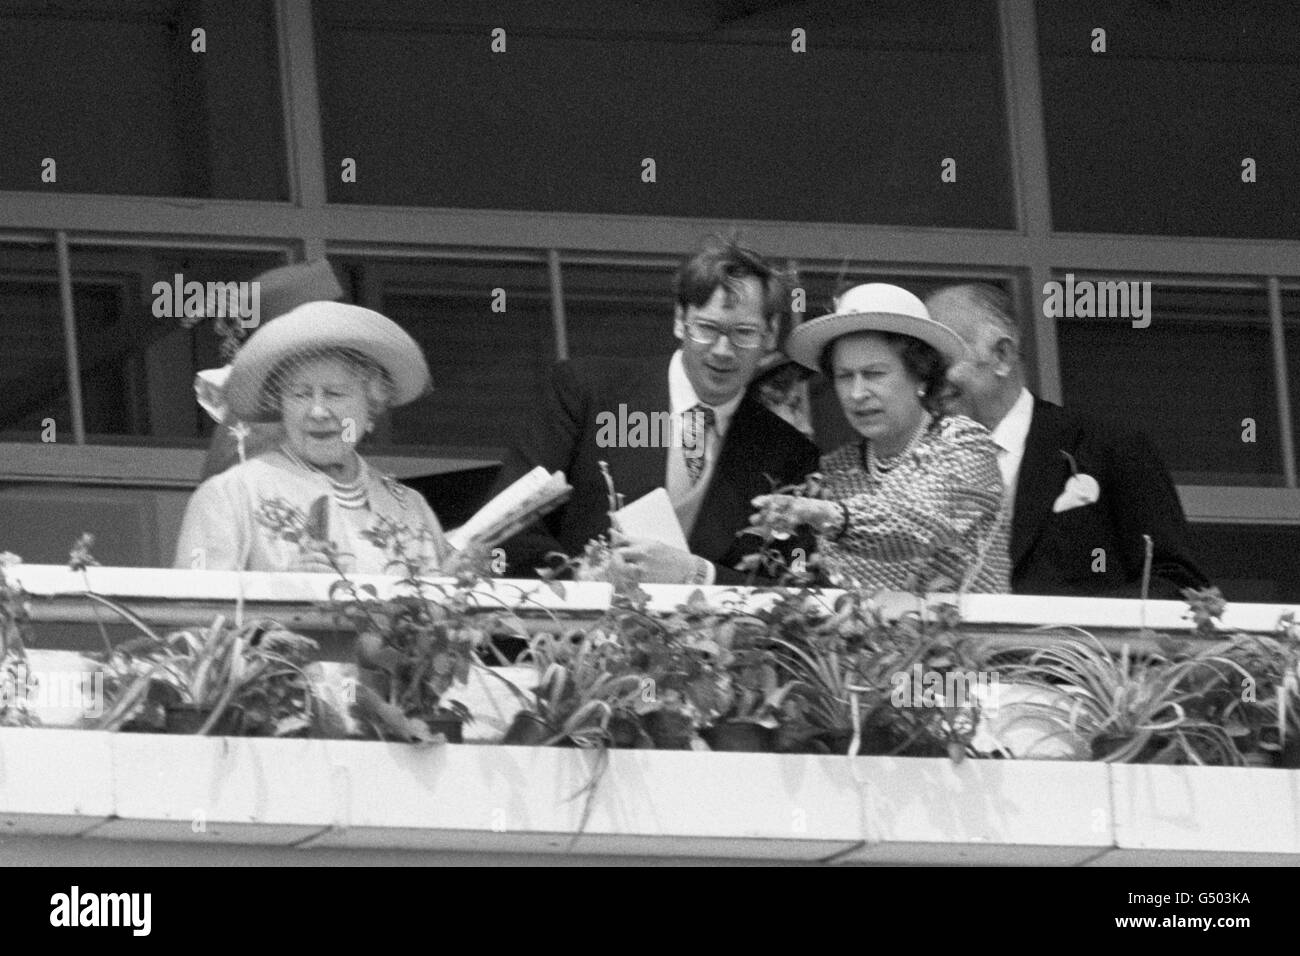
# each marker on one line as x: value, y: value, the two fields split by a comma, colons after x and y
x: 681, y: 399
x: 685, y: 496
x: 1010, y: 436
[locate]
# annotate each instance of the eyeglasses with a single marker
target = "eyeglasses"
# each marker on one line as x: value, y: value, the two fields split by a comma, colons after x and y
x: 706, y: 333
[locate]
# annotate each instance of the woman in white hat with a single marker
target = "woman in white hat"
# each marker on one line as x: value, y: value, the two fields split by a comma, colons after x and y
x: 915, y: 502
x: 325, y: 371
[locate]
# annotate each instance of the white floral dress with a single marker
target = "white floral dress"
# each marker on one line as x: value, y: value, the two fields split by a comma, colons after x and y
x: 231, y: 520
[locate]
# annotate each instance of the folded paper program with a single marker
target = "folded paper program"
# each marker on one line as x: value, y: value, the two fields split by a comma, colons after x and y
x: 652, y: 516
x: 532, y: 496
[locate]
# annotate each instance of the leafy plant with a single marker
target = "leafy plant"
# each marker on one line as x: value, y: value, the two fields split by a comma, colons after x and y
x: 1263, y: 714
x: 250, y: 680
x: 584, y: 682
x: 1133, y: 708
x: 15, y: 634
x: 413, y: 648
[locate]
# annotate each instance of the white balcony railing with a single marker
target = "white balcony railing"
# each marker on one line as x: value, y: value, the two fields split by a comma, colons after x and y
x: 88, y: 796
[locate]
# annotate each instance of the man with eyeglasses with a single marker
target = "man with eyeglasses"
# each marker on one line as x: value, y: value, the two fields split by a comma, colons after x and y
x: 1082, y: 493
x: 724, y: 449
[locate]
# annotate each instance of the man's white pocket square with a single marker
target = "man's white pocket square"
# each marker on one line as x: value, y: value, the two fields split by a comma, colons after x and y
x: 1080, y: 490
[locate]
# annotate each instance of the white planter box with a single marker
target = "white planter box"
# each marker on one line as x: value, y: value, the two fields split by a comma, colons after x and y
x: 212, y: 795
x: 1176, y: 815
x: 57, y: 782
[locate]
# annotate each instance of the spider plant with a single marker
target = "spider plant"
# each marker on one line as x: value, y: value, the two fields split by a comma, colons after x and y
x: 850, y: 661
x: 584, y: 683
x: 1130, y: 708
x: 250, y: 679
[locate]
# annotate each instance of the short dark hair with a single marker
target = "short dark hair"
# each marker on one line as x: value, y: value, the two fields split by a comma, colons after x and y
x: 724, y: 263
x: 921, y: 359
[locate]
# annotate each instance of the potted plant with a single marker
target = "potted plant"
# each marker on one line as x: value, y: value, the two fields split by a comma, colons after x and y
x: 585, y: 684
x: 1133, y: 707
x: 15, y: 631
x: 414, y: 647
x: 409, y: 654
x: 248, y: 680
x: 1263, y: 713
x: 848, y: 661
x: 756, y: 705
x: 683, y: 658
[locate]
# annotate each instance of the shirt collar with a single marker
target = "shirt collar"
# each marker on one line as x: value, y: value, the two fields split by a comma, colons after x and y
x: 682, y: 397
x: 1012, y: 432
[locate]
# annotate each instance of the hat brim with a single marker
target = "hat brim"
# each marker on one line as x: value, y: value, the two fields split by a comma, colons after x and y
x: 317, y: 326
x: 809, y: 340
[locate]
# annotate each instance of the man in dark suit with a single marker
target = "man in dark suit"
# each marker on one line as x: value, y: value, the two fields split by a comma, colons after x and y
x: 1083, y: 493
x: 682, y: 423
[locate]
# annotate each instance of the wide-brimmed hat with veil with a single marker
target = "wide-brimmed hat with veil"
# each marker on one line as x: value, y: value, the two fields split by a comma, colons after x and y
x: 318, y: 329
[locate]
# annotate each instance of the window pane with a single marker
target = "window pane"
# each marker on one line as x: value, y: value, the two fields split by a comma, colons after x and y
x: 489, y: 367
x: 117, y: 97
x: 739, y: 125
x: 1251, y: 563
x: 1190, y: 381
x: 137, y: 370
x: 619, y: 311
x: 33, y: 367
x: 1149, y: 137
x: 1291, y: 337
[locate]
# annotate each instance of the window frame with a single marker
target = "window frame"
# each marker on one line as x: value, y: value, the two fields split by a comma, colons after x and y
x: 307, y: 226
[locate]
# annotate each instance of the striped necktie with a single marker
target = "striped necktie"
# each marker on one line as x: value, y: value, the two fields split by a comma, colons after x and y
x: 697, y: 422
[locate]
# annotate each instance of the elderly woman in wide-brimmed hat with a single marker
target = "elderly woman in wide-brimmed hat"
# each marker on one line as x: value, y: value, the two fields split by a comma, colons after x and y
x: 916, y: 501
x: 325, y: 371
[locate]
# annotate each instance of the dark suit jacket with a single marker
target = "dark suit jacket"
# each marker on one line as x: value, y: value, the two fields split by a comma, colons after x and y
x: 1052, y: 553
x: 564, y: 437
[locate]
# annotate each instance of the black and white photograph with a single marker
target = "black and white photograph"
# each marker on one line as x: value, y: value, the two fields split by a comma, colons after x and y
x: 651, y: 433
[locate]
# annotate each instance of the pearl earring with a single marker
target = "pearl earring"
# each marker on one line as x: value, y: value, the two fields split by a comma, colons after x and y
x: 920, y: 393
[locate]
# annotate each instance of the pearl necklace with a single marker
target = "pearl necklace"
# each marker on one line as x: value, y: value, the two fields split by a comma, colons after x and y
x: 349, y: 494
x: 879, y: 467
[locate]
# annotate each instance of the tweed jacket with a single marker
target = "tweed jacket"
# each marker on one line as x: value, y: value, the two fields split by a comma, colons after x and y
x: 931, y: 521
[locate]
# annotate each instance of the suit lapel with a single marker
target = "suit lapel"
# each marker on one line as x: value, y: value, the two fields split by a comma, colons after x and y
x: 638, y: 471
x: 1043, y: 471
x: 717, y: 517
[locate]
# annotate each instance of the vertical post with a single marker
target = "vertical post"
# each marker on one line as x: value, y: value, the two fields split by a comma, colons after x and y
x: 372, y: 297
x: 1018, y: 27
x: 70, y: 338
x: 302, y: 128
x: 557, y: 304
x: 792, y: 272
x: 1280, y: 381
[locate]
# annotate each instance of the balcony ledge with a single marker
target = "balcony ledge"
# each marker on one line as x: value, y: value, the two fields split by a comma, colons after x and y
x: 304, y: 801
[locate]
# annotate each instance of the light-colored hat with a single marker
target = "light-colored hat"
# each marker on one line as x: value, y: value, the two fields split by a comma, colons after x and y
x: 873, y: 307
x: 315, y: 328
